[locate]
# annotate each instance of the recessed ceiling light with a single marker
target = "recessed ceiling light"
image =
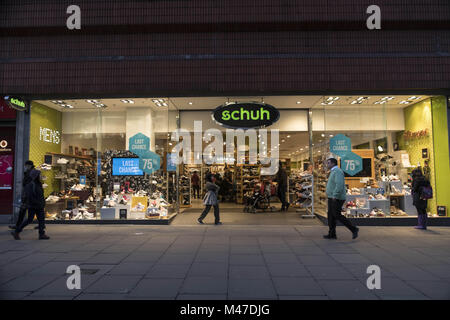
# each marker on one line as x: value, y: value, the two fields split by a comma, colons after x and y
x: 127, y: 101
x: 190, y: 102
x: 282, y: 140
x: 298, y: 102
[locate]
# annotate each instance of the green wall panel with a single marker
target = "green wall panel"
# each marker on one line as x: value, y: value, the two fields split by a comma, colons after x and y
x: 45, y: 136
x: 441, y: 152
x: 419, y: 117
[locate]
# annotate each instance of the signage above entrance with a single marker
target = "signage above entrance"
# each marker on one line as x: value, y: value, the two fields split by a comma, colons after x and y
x: 246, y: 115
x: 16, y: 103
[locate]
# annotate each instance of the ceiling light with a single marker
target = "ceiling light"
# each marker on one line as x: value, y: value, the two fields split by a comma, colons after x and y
x: 190, y: 103
x: 331, y: 135
x: 359, y: 100
x: 404, y: 102
x: 298, y: 102
x: 127, y: 101
x: 330, y: 100
x: 160, y: 102
x: 282, y: 140
x: 380, y: 148
x: 414, y: 98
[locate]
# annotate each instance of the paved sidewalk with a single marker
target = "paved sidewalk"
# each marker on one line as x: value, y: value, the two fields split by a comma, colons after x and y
x: 225, y: 262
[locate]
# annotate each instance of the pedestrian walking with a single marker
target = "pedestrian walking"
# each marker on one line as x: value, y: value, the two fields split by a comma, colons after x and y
x: 29, y: 165
x: 281, y: 179
x: 336, y: 194
x: 421, y: 192
x: 35, y: 203
x: 210, y: 199
x: 195, y: 181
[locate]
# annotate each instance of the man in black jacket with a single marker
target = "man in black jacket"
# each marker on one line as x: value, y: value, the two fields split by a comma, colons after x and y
x: 26, y: 179
x: 35, y: 203
x: 281, y: 179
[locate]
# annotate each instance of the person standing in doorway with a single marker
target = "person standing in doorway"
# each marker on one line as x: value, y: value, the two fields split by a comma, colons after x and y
x: 281, y: 179
x: 195, y: 181
x: 419, y: 200
x: 35, y: 203
x: 29, y: 165
x: 210, y: 199
x: 336, y: 194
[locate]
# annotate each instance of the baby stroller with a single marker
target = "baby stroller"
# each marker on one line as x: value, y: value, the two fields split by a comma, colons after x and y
x: 260, y: 199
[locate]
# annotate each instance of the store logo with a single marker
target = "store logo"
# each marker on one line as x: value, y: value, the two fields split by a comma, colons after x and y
x: 49, y: 135
x: 3, y: 144
x: 16, y: 103
x: 246, y: 115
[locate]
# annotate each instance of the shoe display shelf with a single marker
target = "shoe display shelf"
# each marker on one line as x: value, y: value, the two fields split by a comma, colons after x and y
x: 247, y: 176
x: 185, y: 193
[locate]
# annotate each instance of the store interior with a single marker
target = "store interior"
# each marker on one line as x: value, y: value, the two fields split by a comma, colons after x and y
x: 83, y: 148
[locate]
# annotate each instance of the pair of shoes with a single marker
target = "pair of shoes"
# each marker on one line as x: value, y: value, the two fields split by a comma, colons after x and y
x: 327, y: 236
x: 15, y: 235
x: 200, y: 221
x: 355, y: 233
x: 43, y: 237
x: 218, y: 223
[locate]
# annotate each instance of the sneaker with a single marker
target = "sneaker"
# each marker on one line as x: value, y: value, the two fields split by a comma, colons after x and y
x: 218, y: 223
x: 44, y: 237
x: 200, y: 221
x: 355, y: 233
x: 327, y: 236
x: 15, y: 235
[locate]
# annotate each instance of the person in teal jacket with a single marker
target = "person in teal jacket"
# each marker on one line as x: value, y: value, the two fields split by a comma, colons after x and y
x: 336, y: 194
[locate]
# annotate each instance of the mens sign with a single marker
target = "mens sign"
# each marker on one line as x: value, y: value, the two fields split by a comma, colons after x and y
x: 16, y: 103
x: 246, y: 115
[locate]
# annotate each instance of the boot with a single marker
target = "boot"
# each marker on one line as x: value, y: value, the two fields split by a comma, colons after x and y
x: 15, y: 235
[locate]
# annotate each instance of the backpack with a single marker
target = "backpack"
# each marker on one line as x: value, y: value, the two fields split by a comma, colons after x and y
x: 426, y: 192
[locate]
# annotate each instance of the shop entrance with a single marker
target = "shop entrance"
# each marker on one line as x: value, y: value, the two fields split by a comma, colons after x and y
x: 108, y: 159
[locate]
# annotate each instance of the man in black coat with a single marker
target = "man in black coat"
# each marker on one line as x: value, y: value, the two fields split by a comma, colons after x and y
x: 35, y: 203
x: 26, y: 179
x: 281, y: 179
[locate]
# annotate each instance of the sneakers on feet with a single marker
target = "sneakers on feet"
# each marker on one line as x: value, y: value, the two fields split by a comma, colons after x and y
x: 200, y: 221
x: 327, y: 236
x: 355, y: 233
x: 218, y: 223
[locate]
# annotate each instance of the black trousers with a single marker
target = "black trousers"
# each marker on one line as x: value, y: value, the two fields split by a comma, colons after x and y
x: 216, y: 213
x: 196, y: 190
x: 39, y: 212
x: 282, y: 195
x: 334, y: 214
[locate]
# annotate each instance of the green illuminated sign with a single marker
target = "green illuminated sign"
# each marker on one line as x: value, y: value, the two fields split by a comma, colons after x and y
x: 16, y: 103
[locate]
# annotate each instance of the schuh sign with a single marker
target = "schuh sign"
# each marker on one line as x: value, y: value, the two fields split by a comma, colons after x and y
x: 16, y: 103
x: 246, y: 115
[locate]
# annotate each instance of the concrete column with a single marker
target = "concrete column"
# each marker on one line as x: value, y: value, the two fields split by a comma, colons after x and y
x: 139, y: 120
x: 22, y: 150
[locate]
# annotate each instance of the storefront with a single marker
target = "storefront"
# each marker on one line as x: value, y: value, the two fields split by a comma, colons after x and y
x: 92, y: 154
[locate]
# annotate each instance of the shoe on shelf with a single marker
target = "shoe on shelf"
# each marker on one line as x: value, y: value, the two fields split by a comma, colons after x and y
x: 44, y: 237
x: 327, y: 236
x: 15, y: 235
x: 355, y: 233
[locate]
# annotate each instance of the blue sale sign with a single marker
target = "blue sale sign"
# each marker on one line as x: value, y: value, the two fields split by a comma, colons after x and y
x: 139, y: 143
x: 149, y: 162
x: 351, y: 163
x: 340, y: 145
